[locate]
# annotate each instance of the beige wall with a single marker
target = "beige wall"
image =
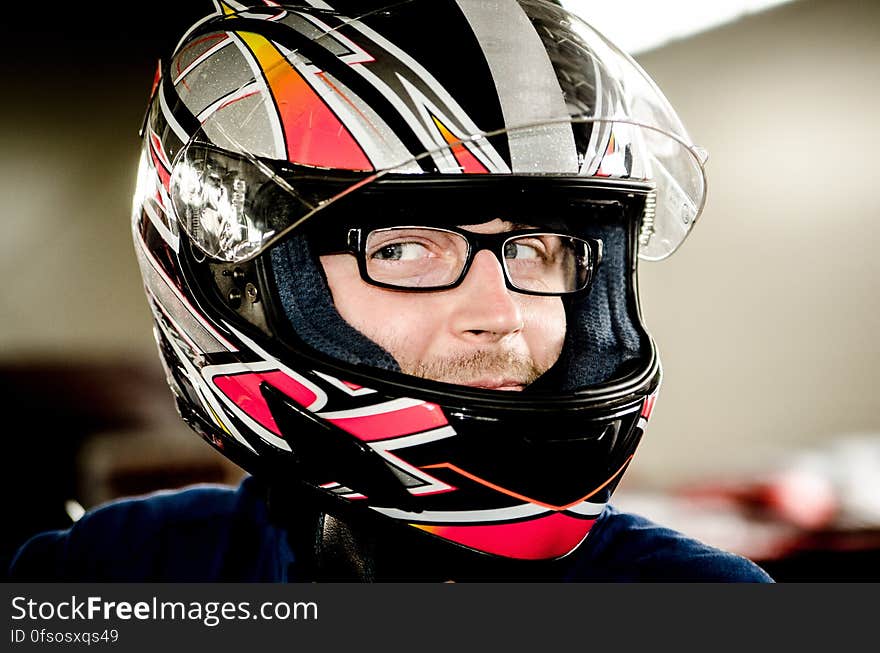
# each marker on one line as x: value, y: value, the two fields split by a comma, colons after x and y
x: 766, y: 318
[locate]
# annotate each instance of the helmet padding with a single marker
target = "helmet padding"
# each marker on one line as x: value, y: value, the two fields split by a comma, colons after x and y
x: 308, y: 305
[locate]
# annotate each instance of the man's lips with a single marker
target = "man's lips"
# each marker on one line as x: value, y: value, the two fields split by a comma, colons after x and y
x: 496, y: 384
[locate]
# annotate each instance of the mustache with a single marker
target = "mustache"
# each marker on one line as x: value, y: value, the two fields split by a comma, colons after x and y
x: 465, y: 368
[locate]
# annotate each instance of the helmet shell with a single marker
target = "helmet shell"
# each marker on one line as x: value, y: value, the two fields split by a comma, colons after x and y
x: 327, y: 106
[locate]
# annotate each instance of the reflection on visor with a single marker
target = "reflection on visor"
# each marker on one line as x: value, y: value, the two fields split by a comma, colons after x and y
x: 214, y: 198
x: 234, y: 206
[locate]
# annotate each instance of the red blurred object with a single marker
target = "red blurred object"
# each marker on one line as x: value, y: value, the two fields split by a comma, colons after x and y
x: 795, y: 496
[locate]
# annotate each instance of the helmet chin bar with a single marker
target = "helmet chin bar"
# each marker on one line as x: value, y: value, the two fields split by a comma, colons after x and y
x: 323, y: 452
x: 572, y: 458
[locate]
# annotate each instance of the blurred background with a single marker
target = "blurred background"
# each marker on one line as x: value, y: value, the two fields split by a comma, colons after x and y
x: 766, y: 436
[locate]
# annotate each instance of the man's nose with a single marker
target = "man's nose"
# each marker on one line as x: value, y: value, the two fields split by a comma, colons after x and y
x: 486, y: 310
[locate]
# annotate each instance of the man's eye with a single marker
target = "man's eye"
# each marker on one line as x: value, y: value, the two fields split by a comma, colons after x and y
x: 400, y: 252
x: 516, y: 250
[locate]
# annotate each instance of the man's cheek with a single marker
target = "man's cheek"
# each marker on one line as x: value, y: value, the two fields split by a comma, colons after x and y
x: 545, y: 327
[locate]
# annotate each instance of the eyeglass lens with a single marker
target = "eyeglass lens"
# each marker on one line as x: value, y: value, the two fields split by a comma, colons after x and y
x: 426, y: 257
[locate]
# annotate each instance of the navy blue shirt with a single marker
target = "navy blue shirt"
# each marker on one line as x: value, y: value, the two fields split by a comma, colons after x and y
x: 209, y: 533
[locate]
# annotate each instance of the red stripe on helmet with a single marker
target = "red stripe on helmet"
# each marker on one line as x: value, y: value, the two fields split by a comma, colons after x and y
x: 548, y: 536
x: 404, y: 421
x: 314, y: 135
x: 244, y: 391
x: 648, y: 406
x: 157, y: 76
x: 160, y: 161
x: 468, y: 162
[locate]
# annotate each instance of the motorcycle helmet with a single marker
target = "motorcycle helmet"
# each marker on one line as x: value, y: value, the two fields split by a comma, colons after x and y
x: 273, y: 127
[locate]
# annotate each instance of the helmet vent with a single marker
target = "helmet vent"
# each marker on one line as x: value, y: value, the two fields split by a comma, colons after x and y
x: 648, y: 219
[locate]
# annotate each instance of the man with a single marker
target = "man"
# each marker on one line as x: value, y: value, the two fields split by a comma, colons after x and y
x: 390, y: 250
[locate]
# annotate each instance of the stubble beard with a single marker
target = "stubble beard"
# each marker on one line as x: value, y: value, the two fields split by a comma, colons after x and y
x: 464, y: 369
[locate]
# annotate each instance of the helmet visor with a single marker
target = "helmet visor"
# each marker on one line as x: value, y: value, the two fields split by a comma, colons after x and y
x: 234, y: 205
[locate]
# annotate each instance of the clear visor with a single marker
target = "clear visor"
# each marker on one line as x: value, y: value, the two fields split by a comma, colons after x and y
x: 276, y: 149
x: 234, y: 205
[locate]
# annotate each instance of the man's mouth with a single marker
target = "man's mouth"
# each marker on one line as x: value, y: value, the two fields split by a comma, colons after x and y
x: 496, y: 384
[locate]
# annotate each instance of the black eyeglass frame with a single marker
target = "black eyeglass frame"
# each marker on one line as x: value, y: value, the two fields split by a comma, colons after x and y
x: 356, y: 244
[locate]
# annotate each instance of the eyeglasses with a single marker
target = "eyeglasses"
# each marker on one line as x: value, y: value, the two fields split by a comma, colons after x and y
x: 417, y: 258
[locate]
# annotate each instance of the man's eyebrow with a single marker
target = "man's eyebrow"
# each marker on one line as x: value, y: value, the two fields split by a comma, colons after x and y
x: 509, y: 225
x: 555, y: 225
x: 506, y: 225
